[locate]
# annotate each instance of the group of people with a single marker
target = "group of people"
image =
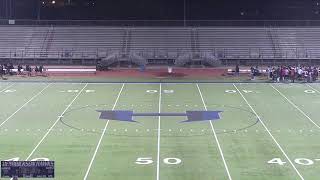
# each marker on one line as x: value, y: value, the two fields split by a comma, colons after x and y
x: 293, y: 73
x: 6, y: 69
x: 9, y: 69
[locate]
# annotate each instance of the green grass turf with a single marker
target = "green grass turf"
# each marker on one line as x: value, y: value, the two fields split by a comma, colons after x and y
x: 30, y: 127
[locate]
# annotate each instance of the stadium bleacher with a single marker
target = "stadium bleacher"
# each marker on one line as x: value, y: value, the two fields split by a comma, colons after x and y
x: 81, y: 42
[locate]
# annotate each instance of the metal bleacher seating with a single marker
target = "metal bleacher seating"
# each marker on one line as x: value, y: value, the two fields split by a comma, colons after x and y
x: 241, y: 43
x: 160, y: 42
x: 13, y: 39
x: 92, y: 42
x: 86, y: 42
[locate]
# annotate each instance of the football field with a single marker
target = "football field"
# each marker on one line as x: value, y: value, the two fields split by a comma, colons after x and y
x: 261, y: 131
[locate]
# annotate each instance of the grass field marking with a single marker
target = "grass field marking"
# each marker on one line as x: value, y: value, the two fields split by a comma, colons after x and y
x: 267, y: 130
x: 6, y: 88
x: 215, y: 135
x: 316, y: 90
x: 159, y: 133
x: 54, y: 124
x: 102, y: 135
x: 295, y: 106
x: 26, y: 103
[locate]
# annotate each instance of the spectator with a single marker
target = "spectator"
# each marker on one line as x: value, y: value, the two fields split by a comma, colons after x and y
x: 36, y: 69
x: 252, y: 73
x: 292, y: 75
x: 237, y: 70
x: 19, y: 69
x: 1, y: 71
x: 300, y: 73
x: 269, y: 72
x: 41, y: 68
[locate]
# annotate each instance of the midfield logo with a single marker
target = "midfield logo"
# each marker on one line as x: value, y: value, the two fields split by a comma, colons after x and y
x: 192, y: 116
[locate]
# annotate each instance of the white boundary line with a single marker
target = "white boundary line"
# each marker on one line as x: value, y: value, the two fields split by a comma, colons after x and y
x: 104, y: 83
x: 313, y: 88
x: 215, y: 136
x: 279, y: 146
x: 159, y: 134
x: 295, y: 106
x: 49, y: 130
x: 24, y: 105
x: 6, y: 88
x: 102, y: 135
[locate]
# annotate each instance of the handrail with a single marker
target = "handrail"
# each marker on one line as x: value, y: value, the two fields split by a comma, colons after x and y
x: 170, y: 23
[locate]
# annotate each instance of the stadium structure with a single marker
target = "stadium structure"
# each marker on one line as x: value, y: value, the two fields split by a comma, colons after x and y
x: 227, y: 43
x: 157, y: 100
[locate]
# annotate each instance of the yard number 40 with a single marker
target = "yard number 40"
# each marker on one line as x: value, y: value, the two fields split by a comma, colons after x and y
x: 300, y: 161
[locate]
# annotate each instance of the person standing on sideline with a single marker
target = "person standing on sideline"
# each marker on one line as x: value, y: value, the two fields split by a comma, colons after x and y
x: 292, y: 74
x: 237, y: 70
x: 1, y: 71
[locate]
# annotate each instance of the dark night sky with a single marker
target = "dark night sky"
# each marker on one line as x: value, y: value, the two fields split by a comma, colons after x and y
x: 163, y: 9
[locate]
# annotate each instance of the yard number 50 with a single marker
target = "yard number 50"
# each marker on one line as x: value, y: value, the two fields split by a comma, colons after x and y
x: 148, y: 160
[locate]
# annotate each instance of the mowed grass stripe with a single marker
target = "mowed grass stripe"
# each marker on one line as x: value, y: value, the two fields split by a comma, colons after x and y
x: 308, y: 103
x: 316, y: 90
x: 15, y: 96
x: 25, y: 104
x: 126, y: 141
x: 72, y: 142
x: 54, y: 124
x: 6, y: 87
x: 294, y: 132
x: 267, y: 129
x: 19, y: 135
x: 190, y: 142
x: 295, y: 106
x: 215, y: 135
x: 102, y: 135
x: 246, y: 144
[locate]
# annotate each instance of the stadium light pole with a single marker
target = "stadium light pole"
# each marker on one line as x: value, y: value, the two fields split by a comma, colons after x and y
x: 11, y: 6
x: 184, y: 13
x: 39, y: 9
x: 6, y: 9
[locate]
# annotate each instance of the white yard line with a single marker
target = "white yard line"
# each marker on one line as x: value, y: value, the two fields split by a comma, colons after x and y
x: 159, y: 134
x: 24, y: 105
x: 102, y: 135
x: 50, y: 129
x: 316, y: 90
x: 215, y: 136
x: 6, y: 88
x: 295, y: 106
x: 279, y: 146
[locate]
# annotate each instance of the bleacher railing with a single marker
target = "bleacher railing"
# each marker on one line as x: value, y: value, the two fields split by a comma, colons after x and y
x: 180, y: 23
x: 220, y: 53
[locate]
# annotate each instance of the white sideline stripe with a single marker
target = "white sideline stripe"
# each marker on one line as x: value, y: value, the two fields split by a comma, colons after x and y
x: 279, y: 146
x: 295, y: 106
x: 102, y: 135
x: 215, y: 136
x: 24, y: 105
x: 159, y: 134
x: 316, y: 90
x: 71, y: 70
x: 50, y: 129
x: 6, y: 88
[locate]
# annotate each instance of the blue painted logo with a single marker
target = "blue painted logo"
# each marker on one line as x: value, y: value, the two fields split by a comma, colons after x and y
x: 192, y: 116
